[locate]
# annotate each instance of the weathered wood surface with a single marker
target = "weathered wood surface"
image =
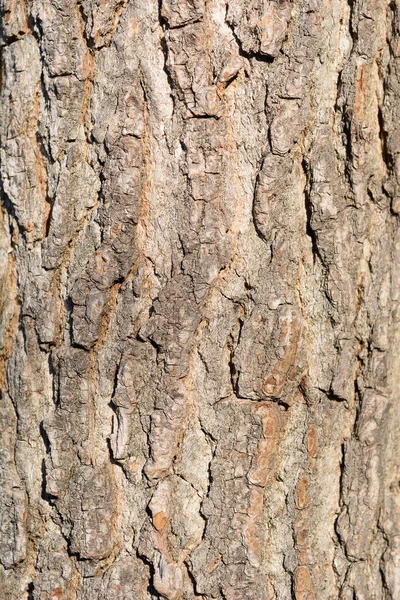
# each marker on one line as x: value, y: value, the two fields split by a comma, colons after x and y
x: 200, y: 300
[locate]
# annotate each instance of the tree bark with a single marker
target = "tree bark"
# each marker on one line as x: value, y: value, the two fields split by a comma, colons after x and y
x: 200, y: 300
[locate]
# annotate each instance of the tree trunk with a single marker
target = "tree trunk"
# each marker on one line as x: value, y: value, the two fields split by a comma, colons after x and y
x: 200, y: 300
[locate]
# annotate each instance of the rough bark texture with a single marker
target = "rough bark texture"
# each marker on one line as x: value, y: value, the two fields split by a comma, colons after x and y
x: 200, y: 300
